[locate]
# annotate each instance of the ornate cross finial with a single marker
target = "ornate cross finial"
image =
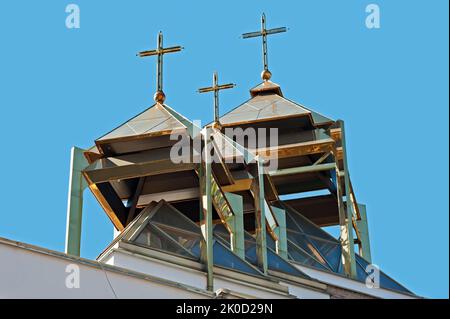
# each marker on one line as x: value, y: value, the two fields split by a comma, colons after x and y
x: 160, y: 51
x: 216, y: 88
x: 265, y: 75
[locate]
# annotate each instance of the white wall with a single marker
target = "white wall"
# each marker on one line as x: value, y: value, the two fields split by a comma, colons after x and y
x: 31, y: 272
x: 304, y: 293
x: 28, y: 273
x: 158, y: 269
x: 163, y: 269
x: 184, y: 275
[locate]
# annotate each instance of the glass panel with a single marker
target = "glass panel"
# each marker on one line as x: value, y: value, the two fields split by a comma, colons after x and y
x: 222, y: 234
x: 226, y: 258
x: 302, y: 257
x: 190, y: 237
x: 361, y: 273
x: 219, y: 200
x: 250, y: 254
x: 308, y: 227
x: 269, y: 216
x: 168, y: 215
x: 270, y: 242
x: 152, y: 237
x: 277, y: 263
x: 331, y: 252
x: 291, y: 224
x: 187, y: 239
x: 304, y: 243
x: 385, y: 280
x: 274, y: 261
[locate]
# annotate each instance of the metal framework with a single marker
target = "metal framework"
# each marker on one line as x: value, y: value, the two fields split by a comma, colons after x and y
x: 238, y: 207
x: 77, y: 184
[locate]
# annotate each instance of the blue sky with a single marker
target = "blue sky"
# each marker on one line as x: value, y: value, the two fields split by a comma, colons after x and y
x: 62, y: 87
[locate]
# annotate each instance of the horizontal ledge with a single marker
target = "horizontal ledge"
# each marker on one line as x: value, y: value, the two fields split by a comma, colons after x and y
x: 303, y: 169
x: 123, y: 170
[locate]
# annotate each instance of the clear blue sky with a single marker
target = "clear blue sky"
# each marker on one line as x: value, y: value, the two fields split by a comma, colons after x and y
x: 62, y: 87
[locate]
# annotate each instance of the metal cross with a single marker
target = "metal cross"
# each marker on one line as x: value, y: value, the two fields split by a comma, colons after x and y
x: 264, y: 33
x: 160, y: 51
x: 216, y: 88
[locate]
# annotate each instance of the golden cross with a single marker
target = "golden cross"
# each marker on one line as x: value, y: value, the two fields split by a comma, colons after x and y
x: 160, y: 51
x: 216, y: 88
x: 264, y: 33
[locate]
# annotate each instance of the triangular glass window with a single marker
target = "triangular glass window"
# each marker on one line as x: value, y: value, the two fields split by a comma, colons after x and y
x: 299, y: 255
x: 152, y: 237
x: 303, y: 242
x: 330, y: 251
x: 226, y: 258
x: 168, y: 215
x: 169, y: 230
x: 306, y: 226
x: 189, y: 240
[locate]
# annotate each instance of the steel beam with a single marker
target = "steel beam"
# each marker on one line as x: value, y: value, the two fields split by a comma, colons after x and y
x: 296, y: 149
x: 281, y: 243
x: 237, y: 224
x: 260, y: 220
x: 345, y: 232
x: 133, y: 201
x: 364, y: 249
x: 205, y: 174
x: 347, y: 226
x: 77, y: 185
x: 131, y: 166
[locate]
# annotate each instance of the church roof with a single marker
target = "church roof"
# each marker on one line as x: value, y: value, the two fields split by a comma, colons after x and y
x: 261, y: 108
x: 268, y: 103
x: 154, y: 120
x: 266, y: 87
x: 150, y: 129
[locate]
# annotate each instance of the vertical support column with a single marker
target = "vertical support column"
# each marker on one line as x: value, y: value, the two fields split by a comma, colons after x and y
x: 77, y: 184
x: 280, y: 215
x: 237, y: 222
x: 260, y: 216
x: 346, y: 216
x: 344, y: 231
x: 206, y: 211
x: 364, y: 249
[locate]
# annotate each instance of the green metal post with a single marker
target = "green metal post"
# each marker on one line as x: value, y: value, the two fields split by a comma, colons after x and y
x: 349, y: 207
x: 260, y: 217
x: 206, y: 212
x: 77, y: 184
x: 280, y: 215
x: 237, y: 223
x: 364, y: 249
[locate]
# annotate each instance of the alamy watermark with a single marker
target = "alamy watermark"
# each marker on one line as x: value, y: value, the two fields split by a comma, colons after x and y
x: 73, y: 278
x: 373, y: 278
x: 373, y: 19
x: 73, y: 17
x: 233, y: 146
